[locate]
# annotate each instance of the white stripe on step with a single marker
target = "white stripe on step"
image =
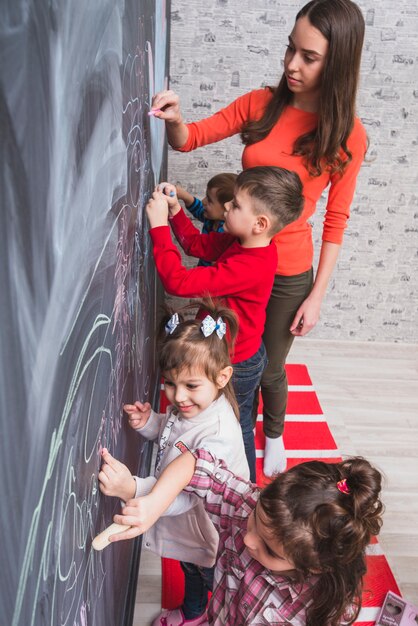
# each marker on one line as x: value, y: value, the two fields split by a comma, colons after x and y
x: 368, y: 614
x: 300, y: 417
x: 301, y: 388
x: 308, y: 454
x: 374, y: 549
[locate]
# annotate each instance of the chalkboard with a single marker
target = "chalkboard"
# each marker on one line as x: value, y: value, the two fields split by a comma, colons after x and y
x: 79, y: 157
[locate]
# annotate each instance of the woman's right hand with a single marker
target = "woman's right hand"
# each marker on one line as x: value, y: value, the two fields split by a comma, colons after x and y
x: 138, y: 414
x: 166, y: 105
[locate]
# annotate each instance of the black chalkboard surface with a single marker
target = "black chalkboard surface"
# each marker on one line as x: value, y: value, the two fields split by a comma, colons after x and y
x: 79, y: 157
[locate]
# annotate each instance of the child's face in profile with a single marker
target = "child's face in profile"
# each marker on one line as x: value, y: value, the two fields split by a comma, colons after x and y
x: 240, y: 217
x: 191, y: 392
x: 262, y: 546
x: 214, y: 210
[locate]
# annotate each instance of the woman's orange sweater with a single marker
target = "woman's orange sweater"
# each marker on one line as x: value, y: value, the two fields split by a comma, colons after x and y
x: 294, y: 243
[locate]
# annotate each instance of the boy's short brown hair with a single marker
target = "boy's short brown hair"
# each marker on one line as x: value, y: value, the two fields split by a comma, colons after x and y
x: 275, y: 189
x: 224, y: 184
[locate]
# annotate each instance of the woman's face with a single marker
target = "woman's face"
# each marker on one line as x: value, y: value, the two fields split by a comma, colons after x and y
x: 304, y: 61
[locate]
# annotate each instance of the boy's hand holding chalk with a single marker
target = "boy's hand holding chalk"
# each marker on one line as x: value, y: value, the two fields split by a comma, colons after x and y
x: 162, y: 204
x: 157, y: 209
x: 167, y: 189
x: 170, y: 191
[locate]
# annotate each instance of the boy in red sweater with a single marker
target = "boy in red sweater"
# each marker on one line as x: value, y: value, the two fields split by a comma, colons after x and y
x: 266, y: 199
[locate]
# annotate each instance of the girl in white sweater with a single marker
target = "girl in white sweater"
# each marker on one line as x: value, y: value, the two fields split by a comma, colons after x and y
x: 195, y: 363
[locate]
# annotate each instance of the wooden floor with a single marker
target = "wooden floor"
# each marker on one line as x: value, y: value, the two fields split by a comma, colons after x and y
x: 369, y: 394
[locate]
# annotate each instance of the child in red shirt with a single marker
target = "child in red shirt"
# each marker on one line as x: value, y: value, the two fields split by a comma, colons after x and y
x: 266, y: 199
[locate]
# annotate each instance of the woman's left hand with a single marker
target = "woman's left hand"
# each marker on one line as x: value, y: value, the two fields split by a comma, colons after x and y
x: 306, y: 316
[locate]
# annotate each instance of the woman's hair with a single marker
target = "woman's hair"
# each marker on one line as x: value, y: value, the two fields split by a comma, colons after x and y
x: 187, y: 348
x: 342, y: 24
x: 325, y: 530
x: 224, y: 184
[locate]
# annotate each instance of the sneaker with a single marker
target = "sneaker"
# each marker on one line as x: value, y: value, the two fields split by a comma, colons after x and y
x: 176, y: 618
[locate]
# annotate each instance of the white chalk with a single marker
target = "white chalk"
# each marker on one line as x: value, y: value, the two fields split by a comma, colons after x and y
x: 102, y: 540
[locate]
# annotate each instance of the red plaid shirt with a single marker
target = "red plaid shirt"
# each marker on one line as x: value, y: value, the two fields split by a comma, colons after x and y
x: 244, y: 591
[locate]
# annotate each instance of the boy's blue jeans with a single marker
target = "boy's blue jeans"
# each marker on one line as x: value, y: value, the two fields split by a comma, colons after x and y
x: 246, y: 381
x: 198, y: 581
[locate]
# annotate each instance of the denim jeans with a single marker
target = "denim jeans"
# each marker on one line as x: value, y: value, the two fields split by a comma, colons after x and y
x: 246, y: 380
x: 198, y: 582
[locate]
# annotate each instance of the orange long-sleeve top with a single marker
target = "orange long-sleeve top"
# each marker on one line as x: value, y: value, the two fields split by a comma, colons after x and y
x: 294, y: 242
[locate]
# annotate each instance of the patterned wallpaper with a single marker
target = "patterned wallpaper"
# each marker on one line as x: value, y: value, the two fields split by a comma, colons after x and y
x: 221, y: 49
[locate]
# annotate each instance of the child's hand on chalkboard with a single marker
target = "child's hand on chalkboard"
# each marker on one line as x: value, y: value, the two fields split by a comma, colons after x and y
x: 157, y: 209
x: 138, y: 414
x: 170, y: 192
x: 115, y: 479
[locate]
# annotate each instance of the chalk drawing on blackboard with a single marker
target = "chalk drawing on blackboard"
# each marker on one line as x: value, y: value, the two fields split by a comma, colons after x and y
x: 80, y: 291
x: 158, y: 81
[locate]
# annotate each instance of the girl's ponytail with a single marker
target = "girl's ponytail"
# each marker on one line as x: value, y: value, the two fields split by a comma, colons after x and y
x: 325, y: 514
x: 364, y: 484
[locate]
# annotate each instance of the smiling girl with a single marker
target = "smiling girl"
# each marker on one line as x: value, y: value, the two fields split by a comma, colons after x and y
x: 194, y: 361
x: 306, y: 124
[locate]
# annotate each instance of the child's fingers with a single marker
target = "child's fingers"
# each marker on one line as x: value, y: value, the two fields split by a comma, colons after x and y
x: 134, y: 416
x: 135, y: 422
x: 106, y: 489
x: 168, y: 190
x: 110, y: 460
x: 133, y: 515
x: 143, y: 407
x: 130, y: 533
x: 103, y: 478
x: 160, y: 187
x: 130, y: 408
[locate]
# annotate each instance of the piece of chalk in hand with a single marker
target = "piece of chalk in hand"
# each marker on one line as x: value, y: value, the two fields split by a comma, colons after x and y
x: 102, y: 539
x: 168, y: 193
x: 154, y: 111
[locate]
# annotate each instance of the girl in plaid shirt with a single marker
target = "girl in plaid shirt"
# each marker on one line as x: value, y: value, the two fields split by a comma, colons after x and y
x: 291, y: 553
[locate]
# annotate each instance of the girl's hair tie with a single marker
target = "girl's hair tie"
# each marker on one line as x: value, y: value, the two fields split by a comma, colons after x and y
x: 209, y: 326
x: 343, y: 487
x: 172, y: 324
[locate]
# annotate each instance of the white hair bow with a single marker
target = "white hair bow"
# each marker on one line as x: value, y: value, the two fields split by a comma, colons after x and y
x: 209, y: 326
x: 172, y: 324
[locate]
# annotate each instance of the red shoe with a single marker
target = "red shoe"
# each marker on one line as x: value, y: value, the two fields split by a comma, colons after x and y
x: 176, y: 618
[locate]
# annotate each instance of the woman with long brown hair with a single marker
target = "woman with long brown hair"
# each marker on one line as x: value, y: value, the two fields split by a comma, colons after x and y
x: 307, y: 124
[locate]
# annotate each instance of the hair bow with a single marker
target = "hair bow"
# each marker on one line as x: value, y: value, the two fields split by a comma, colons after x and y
x: 343, y: 487
x: 172, y: 324
x: 209, y: 326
